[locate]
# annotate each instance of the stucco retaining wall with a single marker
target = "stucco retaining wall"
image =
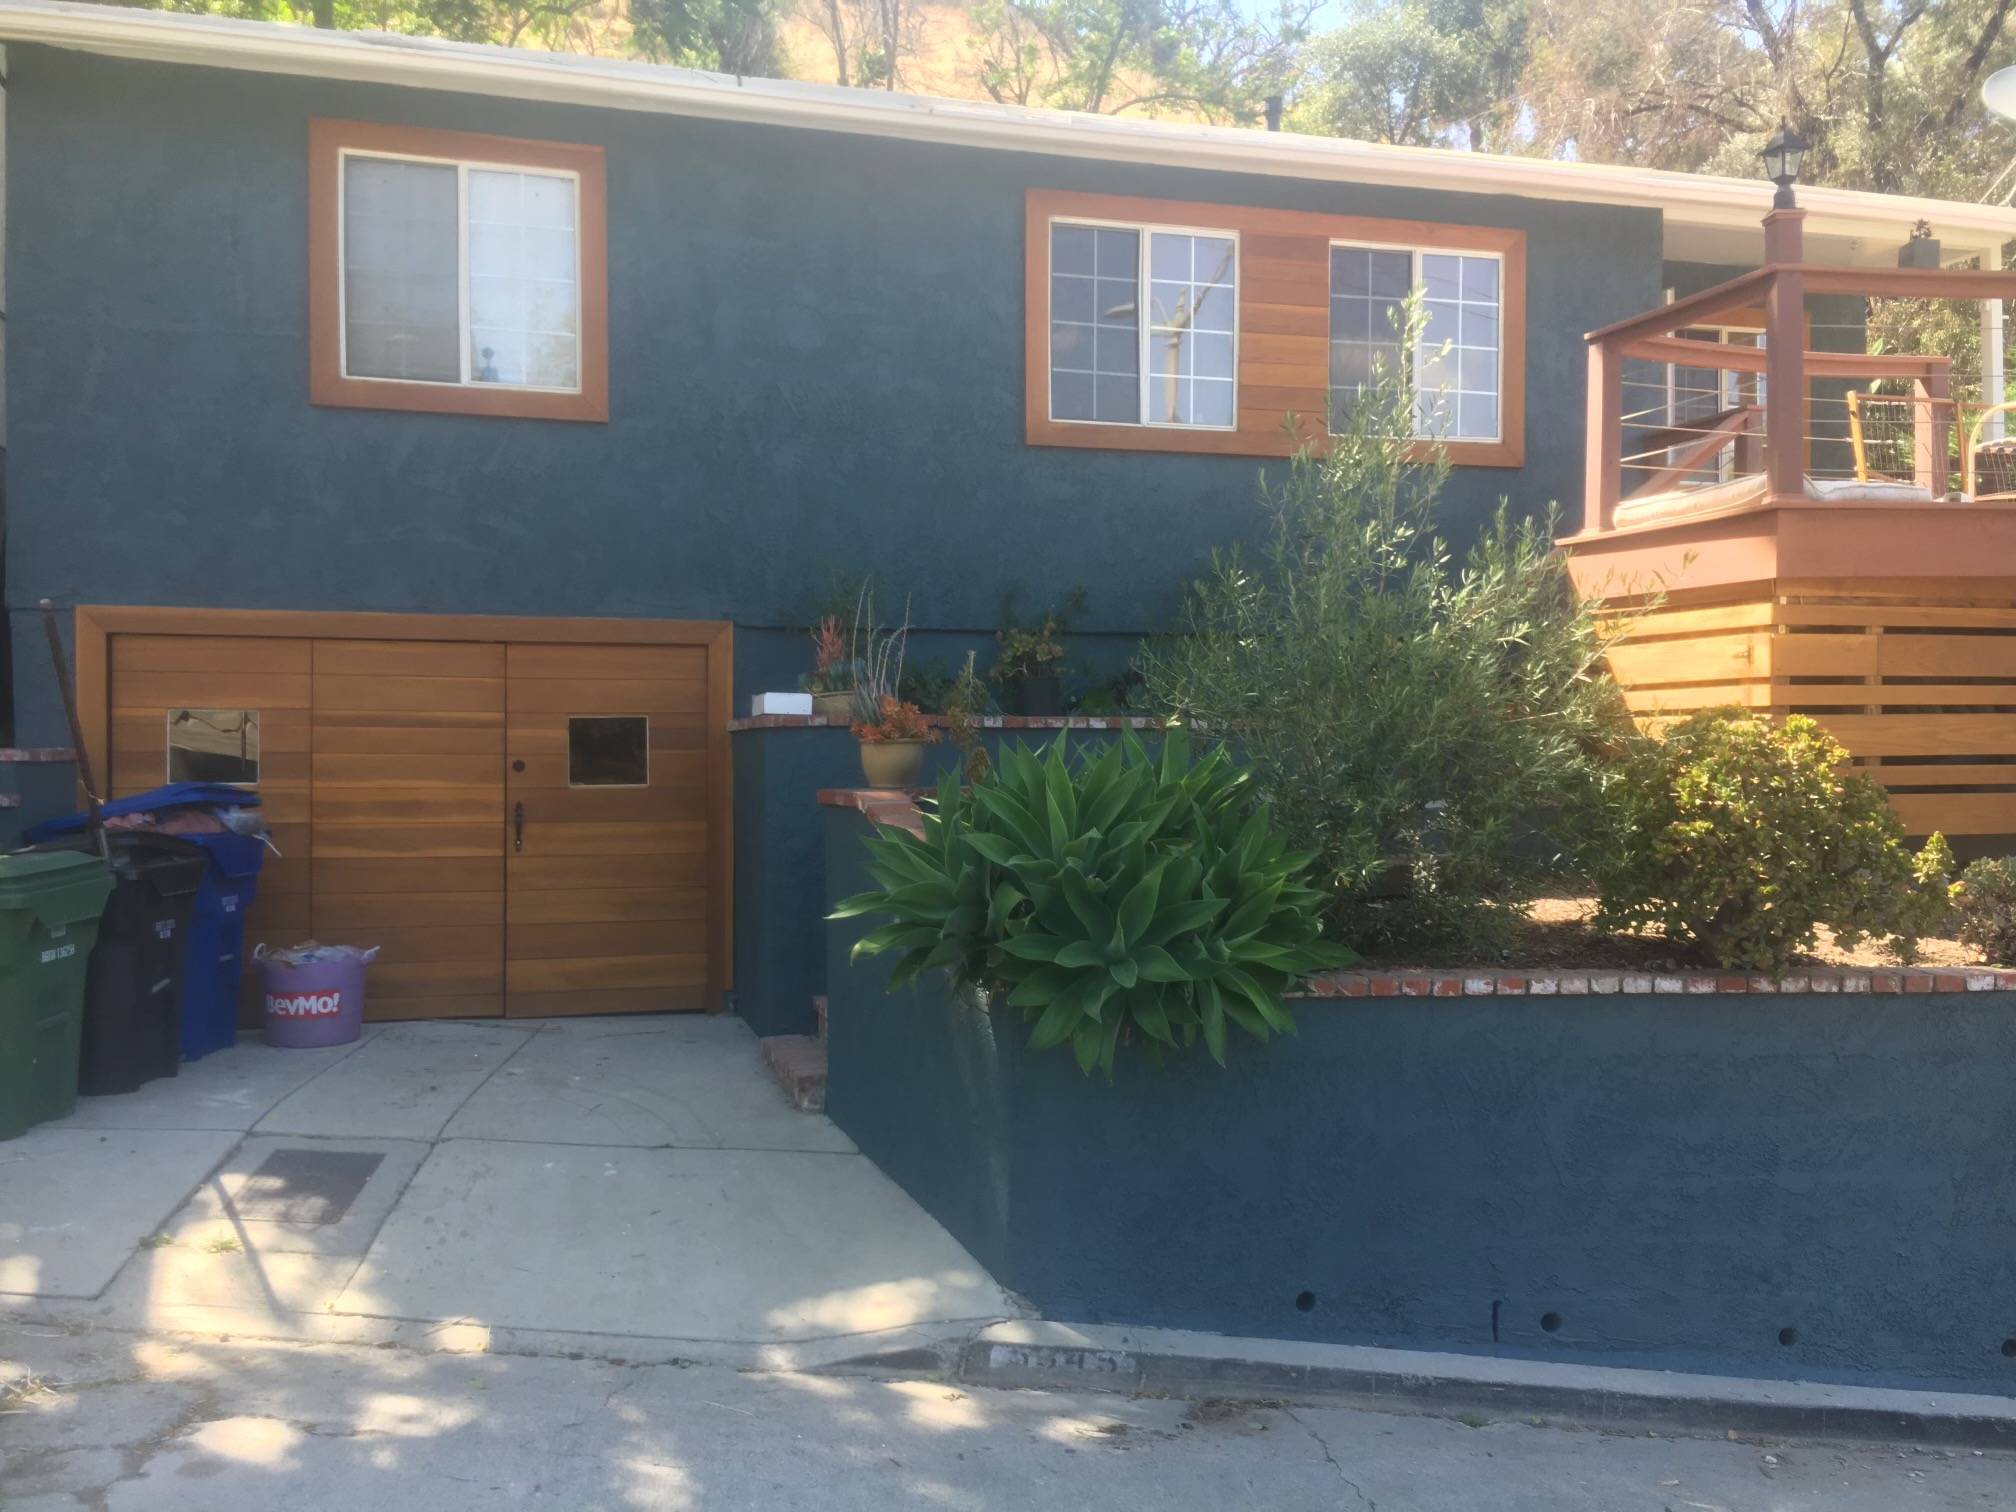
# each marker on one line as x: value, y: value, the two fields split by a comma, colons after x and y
x: 1810, y: 1185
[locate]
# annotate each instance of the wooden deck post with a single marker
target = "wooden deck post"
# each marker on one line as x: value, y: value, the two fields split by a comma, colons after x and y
x: 1930, y: 417
x: 1784, y: 355
x: 1604, y: 445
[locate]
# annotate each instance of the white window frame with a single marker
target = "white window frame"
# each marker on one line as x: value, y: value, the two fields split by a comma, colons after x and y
x: 462, y: 167
x: 1415, y: 252
x: 1729, y: 385
x: 1142, y: 286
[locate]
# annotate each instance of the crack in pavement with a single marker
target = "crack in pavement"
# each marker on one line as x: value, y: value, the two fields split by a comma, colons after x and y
x: 1323, y: 1444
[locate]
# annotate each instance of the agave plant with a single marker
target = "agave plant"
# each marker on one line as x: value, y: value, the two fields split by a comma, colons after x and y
x: 1126, y: 896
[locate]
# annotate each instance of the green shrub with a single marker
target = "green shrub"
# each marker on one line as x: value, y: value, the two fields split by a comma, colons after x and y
x: 1125, y: 896
x: 1432, y: 730
x: 1740, y: 838
x: 1985, y: 904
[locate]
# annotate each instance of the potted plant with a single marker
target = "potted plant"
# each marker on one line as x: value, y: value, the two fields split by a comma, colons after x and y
x: 891, y: 730
x: 1030, y: 664
x: 892, y: 744
x: 831, y: 680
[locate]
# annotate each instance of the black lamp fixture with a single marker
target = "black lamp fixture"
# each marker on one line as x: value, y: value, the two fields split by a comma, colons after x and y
x: 1782, y: 156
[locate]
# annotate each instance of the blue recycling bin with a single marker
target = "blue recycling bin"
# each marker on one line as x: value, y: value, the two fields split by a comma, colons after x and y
x: 216, y: 960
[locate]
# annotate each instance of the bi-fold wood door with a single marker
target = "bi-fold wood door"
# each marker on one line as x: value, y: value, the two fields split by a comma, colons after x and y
x: 523, y: 826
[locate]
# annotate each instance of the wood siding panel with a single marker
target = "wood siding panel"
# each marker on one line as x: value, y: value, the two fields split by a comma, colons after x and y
x: 1911, y: 677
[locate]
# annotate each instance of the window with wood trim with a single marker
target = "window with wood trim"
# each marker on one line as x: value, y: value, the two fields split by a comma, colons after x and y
x: 1304, y: 293
x: 456, y: 273
x: 1117, y: 358
x: 1454, y: 374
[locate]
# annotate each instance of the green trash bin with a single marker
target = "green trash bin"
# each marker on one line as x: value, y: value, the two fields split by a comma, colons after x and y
x: 49, y: 910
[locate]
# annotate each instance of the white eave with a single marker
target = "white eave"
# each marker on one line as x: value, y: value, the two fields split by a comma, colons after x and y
x: 1707, y: 218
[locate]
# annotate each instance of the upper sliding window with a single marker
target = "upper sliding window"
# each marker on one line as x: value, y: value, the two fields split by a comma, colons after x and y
x: 1144, y: 324
x: 1454, y: 378
x: 457, y: 273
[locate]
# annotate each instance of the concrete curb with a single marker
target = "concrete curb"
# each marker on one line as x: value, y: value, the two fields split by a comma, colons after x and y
x: 1175, y: 1363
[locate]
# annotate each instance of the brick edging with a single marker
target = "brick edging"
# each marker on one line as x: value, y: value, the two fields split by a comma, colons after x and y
x: 985, y: 722
x: 1600, y: 983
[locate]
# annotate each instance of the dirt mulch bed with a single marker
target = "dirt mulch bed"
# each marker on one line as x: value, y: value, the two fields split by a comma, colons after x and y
x: 1556, y: 932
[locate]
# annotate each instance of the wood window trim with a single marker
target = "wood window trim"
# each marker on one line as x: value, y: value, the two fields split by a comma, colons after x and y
x: 1283, y: 362
x: 329, y: 385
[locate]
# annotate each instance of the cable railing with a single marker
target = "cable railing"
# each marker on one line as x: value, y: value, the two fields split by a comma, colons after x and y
x: 1688, y: 413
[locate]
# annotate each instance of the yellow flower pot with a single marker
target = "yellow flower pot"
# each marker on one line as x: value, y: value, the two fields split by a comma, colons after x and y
x: 892, y: 763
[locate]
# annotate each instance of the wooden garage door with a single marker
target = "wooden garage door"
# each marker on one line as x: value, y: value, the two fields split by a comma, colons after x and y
x: 407, y: 801
x: 523, y: 825
x: 154, y: 677
x: 607, y: 896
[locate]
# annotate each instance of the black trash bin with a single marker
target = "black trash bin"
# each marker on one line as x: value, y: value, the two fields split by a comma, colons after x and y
x: 133, y: 986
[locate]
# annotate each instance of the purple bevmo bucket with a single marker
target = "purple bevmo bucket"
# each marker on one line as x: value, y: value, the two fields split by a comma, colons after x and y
x: 317, y: 1002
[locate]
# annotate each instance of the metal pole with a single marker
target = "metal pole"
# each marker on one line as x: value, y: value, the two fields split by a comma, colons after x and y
x: 94, y: 818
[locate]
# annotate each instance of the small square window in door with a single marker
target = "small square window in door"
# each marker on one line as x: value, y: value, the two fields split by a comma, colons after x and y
x: 608, y: 750
x: 214, y: 745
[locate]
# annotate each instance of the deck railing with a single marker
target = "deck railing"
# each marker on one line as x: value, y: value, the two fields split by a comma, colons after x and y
x: 1637, y: 453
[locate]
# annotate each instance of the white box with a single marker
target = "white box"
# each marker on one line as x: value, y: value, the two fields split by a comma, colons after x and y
x: 780, y: 703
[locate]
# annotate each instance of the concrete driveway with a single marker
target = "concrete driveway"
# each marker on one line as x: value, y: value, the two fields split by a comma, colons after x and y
x: 629, y: 1188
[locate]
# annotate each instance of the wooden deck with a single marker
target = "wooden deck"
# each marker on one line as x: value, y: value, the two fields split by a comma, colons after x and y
x: 1917, y: 679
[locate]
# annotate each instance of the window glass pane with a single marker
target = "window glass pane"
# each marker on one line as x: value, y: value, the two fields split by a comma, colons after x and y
x: 401, y: 306
x: 1368, y: 291
x: 1071, y: 250
x: 524, y: 320
x: 1441, y: 276
x: 1350, y: 271
x: 1391, y: 274
x: 213, y: 745
x: 1212, y: 401
x: 1095, y: 342
x: 1191, y: 319
x: 608, y: 750
x: 1455, y: 378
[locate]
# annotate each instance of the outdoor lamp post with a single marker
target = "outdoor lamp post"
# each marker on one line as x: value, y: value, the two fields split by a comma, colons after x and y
x: 1782, y: 156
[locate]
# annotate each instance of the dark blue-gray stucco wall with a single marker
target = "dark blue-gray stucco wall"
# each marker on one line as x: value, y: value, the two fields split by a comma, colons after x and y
x: 780, y: 856
x: 1675, y: 1180
x: 815, y: 368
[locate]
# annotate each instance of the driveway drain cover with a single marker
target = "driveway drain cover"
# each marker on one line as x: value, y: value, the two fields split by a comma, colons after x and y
x: 305, y: 1187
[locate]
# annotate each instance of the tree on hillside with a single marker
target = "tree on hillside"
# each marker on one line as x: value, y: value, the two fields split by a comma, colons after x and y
x: 1421, y: 73
x: 728, y: 36
x: 870, y: 39
x: 1192, y: 57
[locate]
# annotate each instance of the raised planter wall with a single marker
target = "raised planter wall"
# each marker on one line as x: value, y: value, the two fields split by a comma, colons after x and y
x: 781, y: 764
x: 1810, y: 1184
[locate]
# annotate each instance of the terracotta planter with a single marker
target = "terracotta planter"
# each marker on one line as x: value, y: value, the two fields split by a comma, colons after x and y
x: 838, y: 707
x: 892, y: 763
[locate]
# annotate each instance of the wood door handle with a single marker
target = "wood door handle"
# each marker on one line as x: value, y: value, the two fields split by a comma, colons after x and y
x: 518, y: 827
